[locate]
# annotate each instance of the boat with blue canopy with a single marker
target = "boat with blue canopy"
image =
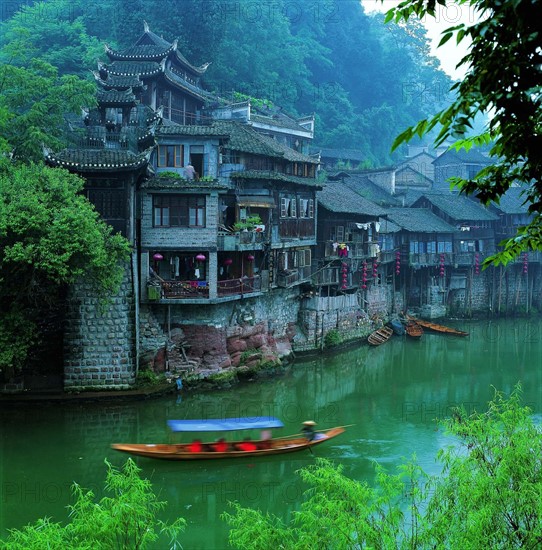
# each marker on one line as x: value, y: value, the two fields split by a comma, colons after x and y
x: 197, y: 450
x: 226, y: 424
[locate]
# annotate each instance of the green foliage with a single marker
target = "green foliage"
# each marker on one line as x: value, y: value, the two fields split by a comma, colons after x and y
x: 52, y: 31
x: 169, y: 174
x: 50, y: 236
x: 33, y: 103
x: 337, y: 513
x: 332, y: 338
x: 503, y: 82
x: 249, y: 224
x: 225, y: 377
x: 301, y: 57
x: 125, y: 519
x: 488, y: 495
x: 245, y: 355
x: 147, y: 377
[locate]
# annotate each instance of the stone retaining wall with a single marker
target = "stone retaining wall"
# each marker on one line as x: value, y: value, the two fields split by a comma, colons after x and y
x: 99, y: 342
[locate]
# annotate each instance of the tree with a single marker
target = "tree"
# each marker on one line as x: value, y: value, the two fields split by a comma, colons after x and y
x: 503, y: 82
x: 34, y: 102
x: 53, y: 31
x: 126, y: 519
x: 488, y: 495
x: 50, y: 236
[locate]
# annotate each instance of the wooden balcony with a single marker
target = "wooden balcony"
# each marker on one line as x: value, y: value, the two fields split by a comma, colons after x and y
x: 244, y: 240
x: 429, y: 259
x: 180, y: 290
x: 243, y: 286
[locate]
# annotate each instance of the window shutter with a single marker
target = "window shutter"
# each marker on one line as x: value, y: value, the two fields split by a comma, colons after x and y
x: 311, y: 208
x: 340, y: 233
x: 178, y: 157
x: 283, y: 207
x: 294, y: 209
x: 161, y: 156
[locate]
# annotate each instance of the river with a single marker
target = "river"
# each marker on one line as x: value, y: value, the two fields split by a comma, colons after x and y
x: 391, y: 394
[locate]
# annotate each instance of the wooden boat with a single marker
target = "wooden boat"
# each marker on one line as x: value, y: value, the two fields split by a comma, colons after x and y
x: 273, y: 446
x: 380, y: 336
x: 438, y: 328
x: 414, y: 330
x: 397, y: 327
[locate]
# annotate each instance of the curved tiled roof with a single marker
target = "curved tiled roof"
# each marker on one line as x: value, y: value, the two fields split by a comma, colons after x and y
x: 114, y: 97
x: 172, y: 129
x: 244, y: 139
x: 275, y: 176
x: 288, y: 153
x: 158, y: 182
x: 281, y: 122
x: 142, y: 52
x: 118, y: 82
x: 189, y: 87
x: 337, y: 197
x: 133, y: 68
x: 93, y: 160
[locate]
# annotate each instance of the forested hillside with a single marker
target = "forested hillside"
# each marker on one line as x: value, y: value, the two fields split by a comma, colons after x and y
x: 365, y: 81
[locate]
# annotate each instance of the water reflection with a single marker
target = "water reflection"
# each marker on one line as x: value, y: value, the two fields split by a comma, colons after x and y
x: 391, y: 395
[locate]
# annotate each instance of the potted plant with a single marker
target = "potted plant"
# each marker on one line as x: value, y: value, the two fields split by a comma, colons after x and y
x: 248, y: 225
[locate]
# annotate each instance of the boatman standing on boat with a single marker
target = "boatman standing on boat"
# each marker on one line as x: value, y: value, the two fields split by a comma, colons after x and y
x: 308, y: 429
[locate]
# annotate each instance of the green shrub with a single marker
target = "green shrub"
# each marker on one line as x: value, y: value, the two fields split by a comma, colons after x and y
x: 125, y: 518
x: 147, y: 377
x: 169, y: 174
x: 332, y: 338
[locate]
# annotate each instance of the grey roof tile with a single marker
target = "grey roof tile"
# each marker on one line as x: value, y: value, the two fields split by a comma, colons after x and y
x: 458, y: 207
x: 419, y: 220
x: 339, y: 198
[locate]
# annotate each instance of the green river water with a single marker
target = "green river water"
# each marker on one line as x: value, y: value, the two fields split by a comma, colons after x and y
x: 391, y: 395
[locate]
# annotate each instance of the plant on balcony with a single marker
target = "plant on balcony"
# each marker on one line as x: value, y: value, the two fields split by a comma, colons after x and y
x: 169, y: 174
x: 247, y: 225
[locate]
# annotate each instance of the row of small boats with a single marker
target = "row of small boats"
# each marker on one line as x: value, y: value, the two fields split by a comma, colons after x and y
x: 412, y: 327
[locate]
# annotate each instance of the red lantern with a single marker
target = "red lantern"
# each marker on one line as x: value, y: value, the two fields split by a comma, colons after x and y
x: 158, y: 257
x: 228, y: 261
x: 250, y: 258
x: 200, y: 258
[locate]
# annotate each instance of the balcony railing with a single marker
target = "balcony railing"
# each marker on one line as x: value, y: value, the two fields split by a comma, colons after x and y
x: 245, y: 285
x: 232, y: 241
x: 178, y: 289
x: 355, y: 250
x: 289, y: 277
x: 171, y: 290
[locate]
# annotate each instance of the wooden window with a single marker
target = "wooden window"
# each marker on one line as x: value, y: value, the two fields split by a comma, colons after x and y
x: 288, y: 207
x: 179, y: 211
x: 304, y: 257
x: 170, y: 156
x: 283, y: 206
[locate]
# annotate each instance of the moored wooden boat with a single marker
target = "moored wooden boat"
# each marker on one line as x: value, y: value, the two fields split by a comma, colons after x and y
x: 414, y: 330
x: 380, y: 336
x: 183, y: 451
x: 438, y: 328
x: 397, y: 327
